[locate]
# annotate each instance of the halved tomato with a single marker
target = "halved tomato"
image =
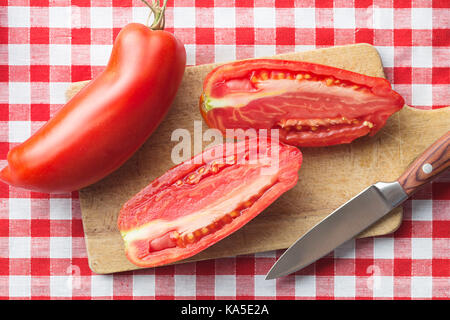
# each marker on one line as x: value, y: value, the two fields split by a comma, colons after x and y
x: 203, y: 200
x: 311, y: 104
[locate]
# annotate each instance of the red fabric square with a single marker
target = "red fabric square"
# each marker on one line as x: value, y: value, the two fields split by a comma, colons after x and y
x: 39, y: 3
x: 325, y: 36
x: 362, y: 267
x: 3, y: 35
x: 402, y: 4
x: 441, y: 76
x: 441, y: 190
x: 204, y: 35
x: 210, y: 4
x: 363, y: 3
x: 245, y: 36
x: 80, y: 73
x: 284, y: 3
x: 4, y: 228
x: 402, y: 75
x: 402, y: 37
x: 325, y: 267
x: 324, y: 4
x: 441, y: 37
x: 441, y: 229
x: 285, y: 36
x: 40, y: 228
x: 205, y: 268
x: 402, y: 267
x: 4, y: 266
x: 77, y: 228
x: 441, y: 267
x: 81, y: 36
x: 4, y: 73
x: 245, y: 265
x: 4, y: 112
x: 40, y: 73
x: 40, y: 266
x: 39, y: 35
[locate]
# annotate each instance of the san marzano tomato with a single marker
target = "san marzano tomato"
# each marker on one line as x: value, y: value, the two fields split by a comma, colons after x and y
x: 201, y: 201
x: 108, y: 120
x: 311, y: 104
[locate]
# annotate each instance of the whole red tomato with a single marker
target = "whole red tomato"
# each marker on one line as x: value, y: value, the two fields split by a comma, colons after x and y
x: 108, y: 120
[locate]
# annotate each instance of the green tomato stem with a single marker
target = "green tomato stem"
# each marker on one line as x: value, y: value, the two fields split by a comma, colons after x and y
x: 158, y: 13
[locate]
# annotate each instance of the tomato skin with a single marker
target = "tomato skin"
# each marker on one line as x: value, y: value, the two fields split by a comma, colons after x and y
x: 166, y: 206
x: 268, y: 93
x: 107, y: 121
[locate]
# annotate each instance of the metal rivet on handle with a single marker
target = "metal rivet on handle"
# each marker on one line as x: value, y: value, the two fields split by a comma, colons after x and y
x: 427, y: 168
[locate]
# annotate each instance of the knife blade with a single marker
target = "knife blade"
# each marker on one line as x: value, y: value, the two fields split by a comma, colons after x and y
x: 362, y: 211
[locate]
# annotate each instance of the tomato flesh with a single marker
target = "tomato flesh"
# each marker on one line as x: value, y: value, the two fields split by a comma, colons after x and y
x: 200, y: 202
x: 311, y: 105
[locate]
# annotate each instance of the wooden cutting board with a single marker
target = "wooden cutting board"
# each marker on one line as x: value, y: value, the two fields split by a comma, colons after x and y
x: 328, y: 177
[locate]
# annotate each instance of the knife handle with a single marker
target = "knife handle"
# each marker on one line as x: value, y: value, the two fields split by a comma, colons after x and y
x: 426, y: 167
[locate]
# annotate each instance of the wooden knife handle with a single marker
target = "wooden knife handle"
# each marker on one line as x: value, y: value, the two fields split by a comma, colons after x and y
x: 426, y: 167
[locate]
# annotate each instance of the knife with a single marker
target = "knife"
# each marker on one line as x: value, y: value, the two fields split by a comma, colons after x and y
x: 363, y: 210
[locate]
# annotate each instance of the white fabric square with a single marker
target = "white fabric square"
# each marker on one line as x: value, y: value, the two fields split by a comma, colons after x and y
x: 225, y: 285
x: 184, y: 17
x: 383, y: 287
x: 101, y: 17
x: 422, y: 210
x: 140, y: 14
x: 264, y: 50
x: 101, y: 285
x: 422, y: 248
x: 61, y: 247
x: 225, y: 53
x: 383, y: 248
x: 224, y: 17
x: 422, y: 18
x: 61, y: 209
x: 58, y: 92
x: 305, y: 17
x: 387, y: 55
x: 19, y: 17
x: 60, y: 54
x: 19, y: 92
x: 61, y: 286
x: 422, y: 57
x: 265, y: 288
x: 422, y: 94
x: 185, y: 285
x: 60, y: 17
x: 300, y: 48
x: 143, y: 285
x: 19, y: 131
x: 19, y: 54
x: 383, y: 18
x: 20, y: 247
x: 100, y: 54
x: 421, y: 287
x: 19, y: 208
x: 344, y: 286
x: 264, y: 17
x: 344, y: 18
x: 190, y: 54
x: 305, y: 286
x: 19, y: 286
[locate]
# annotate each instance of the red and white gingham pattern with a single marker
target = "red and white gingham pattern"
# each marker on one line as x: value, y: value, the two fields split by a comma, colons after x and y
x: 46, y: 44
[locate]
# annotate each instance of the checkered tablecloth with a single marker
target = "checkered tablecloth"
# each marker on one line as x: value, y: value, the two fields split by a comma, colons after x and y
x: 47, y: 44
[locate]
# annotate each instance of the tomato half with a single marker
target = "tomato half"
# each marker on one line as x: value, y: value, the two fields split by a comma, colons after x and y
x: 311, y: 104
x: 203, y: 200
